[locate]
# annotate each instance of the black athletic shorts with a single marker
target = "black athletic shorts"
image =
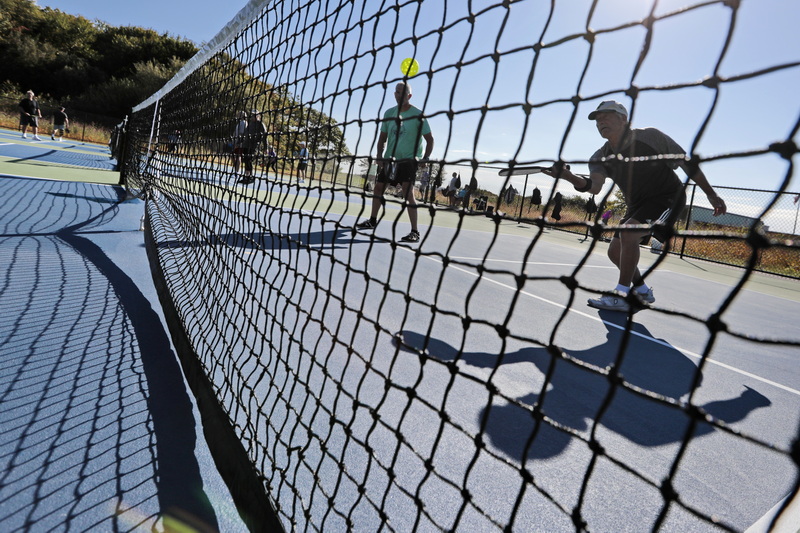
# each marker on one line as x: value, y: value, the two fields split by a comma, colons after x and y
x: 661, y: 212
x: 29, y: 120
x: 398, y: 172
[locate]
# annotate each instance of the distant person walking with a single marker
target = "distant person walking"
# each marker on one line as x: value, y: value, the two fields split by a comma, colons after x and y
x: 272, y: 161
x: 60, y: 124
x: 30, y: 115
x: 399, y: 145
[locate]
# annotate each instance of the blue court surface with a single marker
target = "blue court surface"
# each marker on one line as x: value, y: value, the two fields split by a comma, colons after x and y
x: 15, y: 149
x: 100, y: 432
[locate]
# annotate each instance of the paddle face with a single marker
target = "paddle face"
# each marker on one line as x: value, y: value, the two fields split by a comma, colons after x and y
x: 522, y: 171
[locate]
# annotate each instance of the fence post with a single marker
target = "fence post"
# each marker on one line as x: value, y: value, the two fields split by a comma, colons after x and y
x: 688, y: 218
x: 524, y: 192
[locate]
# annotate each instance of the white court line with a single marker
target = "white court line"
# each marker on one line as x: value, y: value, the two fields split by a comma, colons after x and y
x: 539, y: 263
x: 689, y: 353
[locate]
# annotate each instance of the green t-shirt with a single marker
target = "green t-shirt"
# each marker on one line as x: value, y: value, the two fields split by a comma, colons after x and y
x: 404, y: 135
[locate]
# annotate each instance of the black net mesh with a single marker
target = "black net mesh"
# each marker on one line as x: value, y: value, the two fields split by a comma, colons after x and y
x: 458, y: 383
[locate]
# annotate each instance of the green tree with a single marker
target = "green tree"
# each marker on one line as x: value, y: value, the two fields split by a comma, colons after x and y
x: 81, y: 62
x: 115, y: 96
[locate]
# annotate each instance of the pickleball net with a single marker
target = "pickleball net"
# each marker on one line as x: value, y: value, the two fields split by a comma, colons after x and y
x: 336, y: 371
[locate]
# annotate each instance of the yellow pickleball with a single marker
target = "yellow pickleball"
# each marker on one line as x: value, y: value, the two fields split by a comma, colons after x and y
x: 409, y: 67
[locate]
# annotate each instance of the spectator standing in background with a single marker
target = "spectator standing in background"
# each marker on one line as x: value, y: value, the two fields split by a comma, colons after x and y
x: 239, y: 132
x: 302, y: 162
x: 255, y: 132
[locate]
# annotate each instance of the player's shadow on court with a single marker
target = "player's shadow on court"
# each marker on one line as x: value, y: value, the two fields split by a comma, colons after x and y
x: 264, y: 240
x: 576, y: 394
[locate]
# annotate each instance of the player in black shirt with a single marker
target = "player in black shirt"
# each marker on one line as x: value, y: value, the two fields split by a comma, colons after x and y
x: 642, y: 163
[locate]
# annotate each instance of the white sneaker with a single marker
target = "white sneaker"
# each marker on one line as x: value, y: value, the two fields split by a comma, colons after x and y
x: 645, y: 297
x: 24, y: 135
x: 37, y: 138
x: 613, y: 301
x: 53, y: 137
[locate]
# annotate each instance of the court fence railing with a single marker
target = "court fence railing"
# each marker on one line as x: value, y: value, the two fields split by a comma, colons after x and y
x: 774, y: 218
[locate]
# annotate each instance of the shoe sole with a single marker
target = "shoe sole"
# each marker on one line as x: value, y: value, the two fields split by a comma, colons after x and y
x: 607, y: 308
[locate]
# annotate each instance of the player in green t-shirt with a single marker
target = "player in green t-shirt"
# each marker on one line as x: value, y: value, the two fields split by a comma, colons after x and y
x: 399, y: 147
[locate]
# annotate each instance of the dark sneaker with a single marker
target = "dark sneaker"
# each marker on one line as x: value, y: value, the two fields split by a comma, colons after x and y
x: 367, y: 224
x: 645, y: 297
x: 411, y: 237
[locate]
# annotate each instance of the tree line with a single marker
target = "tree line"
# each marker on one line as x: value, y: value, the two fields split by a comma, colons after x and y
x: 106, y: 70
x: 87, y: 65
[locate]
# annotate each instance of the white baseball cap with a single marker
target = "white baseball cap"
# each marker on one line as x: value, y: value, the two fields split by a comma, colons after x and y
x: 609, y: 106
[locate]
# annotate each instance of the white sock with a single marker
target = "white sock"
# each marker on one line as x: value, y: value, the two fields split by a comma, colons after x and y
x: 622, y: 288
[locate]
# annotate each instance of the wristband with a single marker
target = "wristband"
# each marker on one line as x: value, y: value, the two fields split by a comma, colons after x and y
x: 586, y: 186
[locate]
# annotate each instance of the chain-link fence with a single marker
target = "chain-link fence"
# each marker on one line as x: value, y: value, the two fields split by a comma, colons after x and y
x: 755, y: 217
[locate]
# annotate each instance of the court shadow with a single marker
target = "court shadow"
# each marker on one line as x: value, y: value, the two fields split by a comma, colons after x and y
x: 96, y: 408
x: 177, y: 475
x: 578, y: 392
x: 263, y: 240
x: 98, y: 199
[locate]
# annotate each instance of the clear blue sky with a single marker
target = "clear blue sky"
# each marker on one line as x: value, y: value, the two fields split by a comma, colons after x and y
x: 750, y: 114
x: 196, y: 20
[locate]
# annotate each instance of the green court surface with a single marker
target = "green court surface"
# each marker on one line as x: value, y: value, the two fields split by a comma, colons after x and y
x: 58, y: 160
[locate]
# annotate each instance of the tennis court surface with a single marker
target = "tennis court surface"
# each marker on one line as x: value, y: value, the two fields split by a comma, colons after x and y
x: 361, y: 389
x: 100, y: 432
x: 346, y: 381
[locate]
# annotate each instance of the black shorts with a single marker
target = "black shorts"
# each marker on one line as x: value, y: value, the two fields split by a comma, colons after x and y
x: 29, y: 120
x: 661, y: 212
x: 398, y: 172
x: 302, y: 165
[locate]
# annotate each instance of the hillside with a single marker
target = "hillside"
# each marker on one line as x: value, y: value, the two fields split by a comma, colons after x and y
x: 87, y: 65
